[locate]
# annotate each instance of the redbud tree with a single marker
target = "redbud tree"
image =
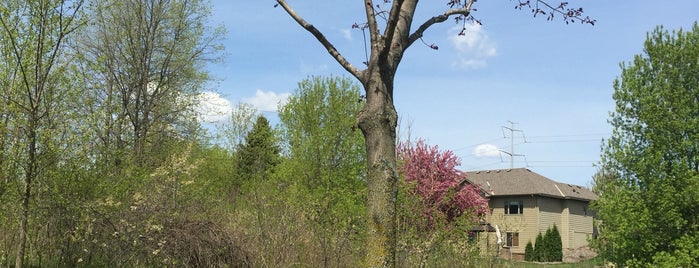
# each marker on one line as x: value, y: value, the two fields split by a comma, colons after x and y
x: 434, y: 178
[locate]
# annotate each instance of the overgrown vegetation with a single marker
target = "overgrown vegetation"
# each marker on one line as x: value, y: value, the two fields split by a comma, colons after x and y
x: 103, y: 162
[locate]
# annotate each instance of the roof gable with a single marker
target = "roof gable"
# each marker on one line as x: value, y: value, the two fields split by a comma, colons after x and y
x: 522, y: 181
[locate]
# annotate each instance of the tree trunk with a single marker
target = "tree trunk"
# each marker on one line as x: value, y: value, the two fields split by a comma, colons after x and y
x: 378, y: 122
x: 30, y: 173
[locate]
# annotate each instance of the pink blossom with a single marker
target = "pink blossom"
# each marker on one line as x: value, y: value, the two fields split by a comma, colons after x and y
x: 435, y: 178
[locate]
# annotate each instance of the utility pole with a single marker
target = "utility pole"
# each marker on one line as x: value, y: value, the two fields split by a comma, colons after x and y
x: 512, y: 130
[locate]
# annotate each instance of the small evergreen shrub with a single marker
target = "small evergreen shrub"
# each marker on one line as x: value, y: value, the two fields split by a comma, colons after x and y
x: 529, y: 252
x: 538, y: 248
x: 547, y: 248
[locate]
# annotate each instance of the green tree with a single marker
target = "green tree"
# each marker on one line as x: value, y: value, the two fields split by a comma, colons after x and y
x: 546, y: 246
x: 539, y: 248
x: 259, y: 155
x: 33, y: 37
x: 144, y: 65
x: 378, y: 118
x: 648, y: 185
x: 326, y: 162
x: 555, y: 245
x: 232, y: 133
x: 529, y: 252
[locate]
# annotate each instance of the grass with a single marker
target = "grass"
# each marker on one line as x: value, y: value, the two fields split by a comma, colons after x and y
x: 591, y: 263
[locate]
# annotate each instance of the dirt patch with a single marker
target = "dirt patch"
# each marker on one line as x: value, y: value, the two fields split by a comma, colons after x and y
x: 578, y: 254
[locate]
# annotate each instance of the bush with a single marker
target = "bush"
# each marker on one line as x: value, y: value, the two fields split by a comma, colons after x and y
x: 548, y: 247
x: 555, y: 245
x: 539, y: 248
x: 529, y: 252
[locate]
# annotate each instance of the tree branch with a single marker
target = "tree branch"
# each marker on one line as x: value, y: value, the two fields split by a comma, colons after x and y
x: 392, y: 22
x: 323, y: 41
x: 374, y: 32
x: 465, y: 11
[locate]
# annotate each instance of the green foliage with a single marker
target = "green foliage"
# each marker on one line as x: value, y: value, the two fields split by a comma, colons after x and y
x: 259, y: 154
x: 71, y: 110
x: 548, y: 247
x: 529, y: 252
x: 232, y: 133
x: 325, y: 169
x: 142, y: 65
x: 649, y: 181
x: 539, y: 248
x: 435, y: 221
x: 438, y: 241
x: 555, y: 244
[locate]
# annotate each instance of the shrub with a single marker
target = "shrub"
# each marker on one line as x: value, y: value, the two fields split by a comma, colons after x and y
x: 539, y: 248
x: 529, y: 252
x: 548, y: 247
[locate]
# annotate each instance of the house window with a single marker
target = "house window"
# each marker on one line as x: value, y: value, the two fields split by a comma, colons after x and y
x: 512, y: 239
x: 514, y: 207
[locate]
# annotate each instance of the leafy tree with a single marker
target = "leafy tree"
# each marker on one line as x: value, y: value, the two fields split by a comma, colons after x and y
x: 378, y: 118
x: 436, y: 210
x: 33, y: 38
x: 232, y: 133
x: 648, y: 186
x: 325, y: 162
x: 437, y: 182
x: 143, y: 64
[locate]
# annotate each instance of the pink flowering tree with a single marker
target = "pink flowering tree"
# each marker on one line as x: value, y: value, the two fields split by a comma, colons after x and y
x: 432, y: 176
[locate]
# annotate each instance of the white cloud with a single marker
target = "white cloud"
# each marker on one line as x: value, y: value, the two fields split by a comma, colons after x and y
x: 212, y: 107
x: 267, y: 101
x: 486, y: 150
x: 310, y: 69
x: 347, y: 34
x: 472, y: 48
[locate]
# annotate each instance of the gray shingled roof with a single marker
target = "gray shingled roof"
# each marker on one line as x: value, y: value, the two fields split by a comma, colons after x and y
x: 522, y: 181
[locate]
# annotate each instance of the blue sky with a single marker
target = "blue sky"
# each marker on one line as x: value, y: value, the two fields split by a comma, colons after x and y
x: 553, y: 80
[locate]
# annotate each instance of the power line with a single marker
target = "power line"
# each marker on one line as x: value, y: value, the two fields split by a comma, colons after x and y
x: 511, y: 153
x: 564, y: 141
x: 570, y: 135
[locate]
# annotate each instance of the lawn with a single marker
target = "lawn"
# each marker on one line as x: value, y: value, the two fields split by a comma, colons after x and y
x: 592, y: 263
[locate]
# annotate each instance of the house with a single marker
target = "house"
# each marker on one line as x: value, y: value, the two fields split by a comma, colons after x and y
x: 524, y: 203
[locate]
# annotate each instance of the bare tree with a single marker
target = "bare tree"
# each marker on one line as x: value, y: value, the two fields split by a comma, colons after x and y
x: 378, y: 119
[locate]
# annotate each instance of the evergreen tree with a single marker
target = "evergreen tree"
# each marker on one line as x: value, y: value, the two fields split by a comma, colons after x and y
x: 546, y: 246
x: 555, y: 245
x: 539, y: 248
x: 529, y: 252
x: 259, y: 155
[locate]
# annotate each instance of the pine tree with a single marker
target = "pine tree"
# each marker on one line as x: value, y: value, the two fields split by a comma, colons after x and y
x: 260, y: 153
x: 538, y: 248
x: 529, y: 252
x: 555, y: 245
